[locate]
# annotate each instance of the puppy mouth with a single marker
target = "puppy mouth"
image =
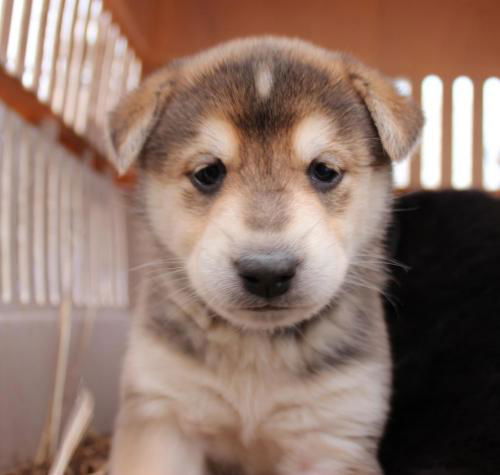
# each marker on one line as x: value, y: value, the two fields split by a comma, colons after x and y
x: 266, y: 317
x: 265, y: 308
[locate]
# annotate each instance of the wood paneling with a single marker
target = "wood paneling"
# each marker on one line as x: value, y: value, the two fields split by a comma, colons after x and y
x: 402, y: 37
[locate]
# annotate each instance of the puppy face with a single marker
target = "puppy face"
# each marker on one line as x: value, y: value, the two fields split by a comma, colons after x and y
x: 265, y: 172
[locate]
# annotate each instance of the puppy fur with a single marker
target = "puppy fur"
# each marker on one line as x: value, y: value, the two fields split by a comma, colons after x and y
x: 218, y: 381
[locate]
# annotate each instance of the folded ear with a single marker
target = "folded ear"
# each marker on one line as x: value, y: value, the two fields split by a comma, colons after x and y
x: 397, y: 118
x: 131, y: 121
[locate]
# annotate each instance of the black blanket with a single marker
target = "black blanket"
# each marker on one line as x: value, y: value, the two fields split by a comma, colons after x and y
x: 443, y: 313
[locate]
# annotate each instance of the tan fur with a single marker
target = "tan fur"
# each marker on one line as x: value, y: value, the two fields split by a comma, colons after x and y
x: 133, y: 119
x: 211, y: 381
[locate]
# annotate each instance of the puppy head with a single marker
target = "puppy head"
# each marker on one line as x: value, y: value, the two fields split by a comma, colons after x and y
x: 265, y: 170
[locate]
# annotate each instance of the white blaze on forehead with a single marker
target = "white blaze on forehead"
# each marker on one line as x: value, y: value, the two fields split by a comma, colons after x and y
x: 263, y: 81
x: 218, y: 138
x: 312, y: 136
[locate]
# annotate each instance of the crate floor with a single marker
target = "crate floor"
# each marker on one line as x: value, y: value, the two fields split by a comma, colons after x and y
x: 89, y: 459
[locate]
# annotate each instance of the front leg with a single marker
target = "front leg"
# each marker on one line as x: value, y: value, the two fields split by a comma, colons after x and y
x: 321, y: 469
x: 320, y: 456
x: 332, y: 467
x: 146, y: 443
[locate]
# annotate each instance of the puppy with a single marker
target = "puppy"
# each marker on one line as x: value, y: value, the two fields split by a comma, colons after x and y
x: 259, y: 345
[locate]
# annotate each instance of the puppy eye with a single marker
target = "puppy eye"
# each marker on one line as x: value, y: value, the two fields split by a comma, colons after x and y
x: 209, y: 179
x: 323, y: 177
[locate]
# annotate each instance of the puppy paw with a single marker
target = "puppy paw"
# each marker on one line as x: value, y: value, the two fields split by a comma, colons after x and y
x: 336, y: 470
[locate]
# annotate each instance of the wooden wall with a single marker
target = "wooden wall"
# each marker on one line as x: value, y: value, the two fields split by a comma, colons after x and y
x: 401, y: 37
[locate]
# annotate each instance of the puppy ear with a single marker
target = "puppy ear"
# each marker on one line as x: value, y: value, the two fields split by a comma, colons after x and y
x: 397, y: 118
x: 132, y: 120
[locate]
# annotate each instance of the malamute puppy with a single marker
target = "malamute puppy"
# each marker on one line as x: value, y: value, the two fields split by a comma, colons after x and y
x: 259, y: 345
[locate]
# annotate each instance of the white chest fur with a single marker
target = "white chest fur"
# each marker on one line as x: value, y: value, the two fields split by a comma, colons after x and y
x: 248, y: 395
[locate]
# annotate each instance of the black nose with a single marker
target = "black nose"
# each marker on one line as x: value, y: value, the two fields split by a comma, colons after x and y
x: 267, y: 275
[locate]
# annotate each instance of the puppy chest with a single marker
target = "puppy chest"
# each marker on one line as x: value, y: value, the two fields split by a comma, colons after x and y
x: 245, y: 408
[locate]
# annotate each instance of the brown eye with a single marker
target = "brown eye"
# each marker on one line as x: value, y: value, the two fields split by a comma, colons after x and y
x: 323, y: 177
x: 209, y: 179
